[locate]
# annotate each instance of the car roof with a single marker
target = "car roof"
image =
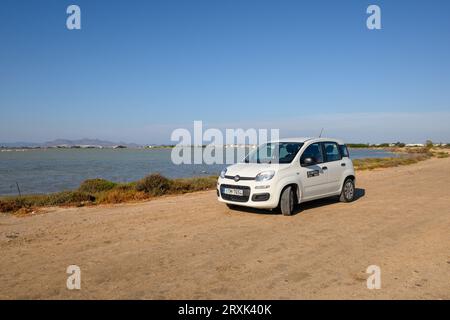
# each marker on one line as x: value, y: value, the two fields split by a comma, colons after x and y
x: 309, y: 139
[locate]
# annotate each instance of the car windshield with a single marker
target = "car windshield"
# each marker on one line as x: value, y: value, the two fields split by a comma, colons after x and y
x: 274, y: 152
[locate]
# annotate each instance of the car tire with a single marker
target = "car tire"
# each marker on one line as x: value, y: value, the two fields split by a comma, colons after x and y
x: 287, y: 201
x: 348, y: 191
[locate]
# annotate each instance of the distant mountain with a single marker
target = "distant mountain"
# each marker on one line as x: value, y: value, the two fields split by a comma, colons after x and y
x: 87, y: 142
x: 19, y: 144
x: 70, y: 143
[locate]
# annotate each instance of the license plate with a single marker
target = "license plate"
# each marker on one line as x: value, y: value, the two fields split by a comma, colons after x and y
x: 233, y: 192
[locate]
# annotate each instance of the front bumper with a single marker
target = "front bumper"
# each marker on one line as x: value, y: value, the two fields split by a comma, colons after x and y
x: 254, y: 195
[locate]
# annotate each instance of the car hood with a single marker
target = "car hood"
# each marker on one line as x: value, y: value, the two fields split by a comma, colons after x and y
x: 251, y: 169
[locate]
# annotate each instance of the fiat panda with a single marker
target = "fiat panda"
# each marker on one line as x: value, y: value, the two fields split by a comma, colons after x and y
x: 281, y: 174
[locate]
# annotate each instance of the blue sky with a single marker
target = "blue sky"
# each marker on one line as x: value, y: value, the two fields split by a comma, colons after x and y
x: 139, y: 69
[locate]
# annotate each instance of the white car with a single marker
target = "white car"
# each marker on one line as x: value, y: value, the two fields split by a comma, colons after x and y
x: 283, y: 173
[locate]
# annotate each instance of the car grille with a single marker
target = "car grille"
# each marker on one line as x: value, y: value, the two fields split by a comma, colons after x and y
x: 235, y: 198
x: 240, y: 178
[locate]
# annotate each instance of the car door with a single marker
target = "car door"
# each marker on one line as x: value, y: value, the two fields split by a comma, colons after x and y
x: 334, y: 164
x: 312, y: 177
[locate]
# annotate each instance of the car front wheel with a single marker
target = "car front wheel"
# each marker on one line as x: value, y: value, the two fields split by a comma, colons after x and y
x: 287, y: 201
x: 348, y: 191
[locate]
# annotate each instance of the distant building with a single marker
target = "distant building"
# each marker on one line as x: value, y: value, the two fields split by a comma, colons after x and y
x: 414, y: 145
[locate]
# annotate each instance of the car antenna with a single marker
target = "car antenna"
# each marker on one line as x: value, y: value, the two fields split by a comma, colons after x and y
x: 320, y: 135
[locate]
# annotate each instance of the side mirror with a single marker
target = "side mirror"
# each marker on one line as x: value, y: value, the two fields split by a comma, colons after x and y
x: 308, y: 161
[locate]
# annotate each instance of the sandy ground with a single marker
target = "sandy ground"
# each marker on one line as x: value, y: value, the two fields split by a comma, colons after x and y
x: 192, y: 247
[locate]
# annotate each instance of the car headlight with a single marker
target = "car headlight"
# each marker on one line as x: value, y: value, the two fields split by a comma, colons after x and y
x: 265, y: 175
x: 222, y: 173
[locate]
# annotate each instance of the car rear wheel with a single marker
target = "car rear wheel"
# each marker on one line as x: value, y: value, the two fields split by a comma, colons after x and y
x: 287, y: 201
x: 348, y: 191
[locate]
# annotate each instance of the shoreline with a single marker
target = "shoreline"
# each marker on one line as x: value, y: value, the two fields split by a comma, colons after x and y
x: 191, y: 246
x: 100, y: 191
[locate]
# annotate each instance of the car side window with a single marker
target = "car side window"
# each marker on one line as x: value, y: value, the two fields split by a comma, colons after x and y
x: 344, y: 150
x: 313, y: 151
x: 332, y: 152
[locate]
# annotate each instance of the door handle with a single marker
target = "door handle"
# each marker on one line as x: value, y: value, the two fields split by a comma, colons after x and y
x: 324, y: 168
x: 342, y: 164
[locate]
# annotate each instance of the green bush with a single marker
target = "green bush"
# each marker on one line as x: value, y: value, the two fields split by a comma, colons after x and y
x: 154, y: 184
x: 96, y: 185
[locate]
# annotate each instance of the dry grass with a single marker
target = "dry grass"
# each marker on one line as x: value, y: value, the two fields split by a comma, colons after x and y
x: 118, y: 196
x: 441, y: 154
x: 374, y: 163
x: 96, y: 185
x: 96, y: 191
x: 406, y: 156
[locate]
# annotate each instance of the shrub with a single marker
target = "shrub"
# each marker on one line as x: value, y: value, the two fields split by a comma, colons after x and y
x: 154, y: 184
x: 117, y: 196
x: 11, y: 205
x: 414, y: 151
x: 193, y: 184
x: 96, y: 185
x: 69, y: 198
x: 126, y: 186
x: 441, y: 154
x: 373, y: 163
x: 358, y: 145
x: 76, y: 198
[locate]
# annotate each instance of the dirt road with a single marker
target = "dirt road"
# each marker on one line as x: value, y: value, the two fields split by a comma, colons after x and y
x: 192, y: 247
